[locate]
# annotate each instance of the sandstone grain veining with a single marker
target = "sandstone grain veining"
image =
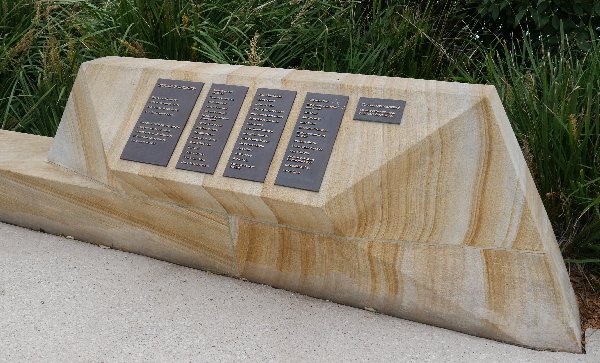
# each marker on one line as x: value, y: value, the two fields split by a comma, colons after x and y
x: 435, y: 220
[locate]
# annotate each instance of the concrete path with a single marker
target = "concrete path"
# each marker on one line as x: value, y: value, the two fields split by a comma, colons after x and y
x: 65, y: 300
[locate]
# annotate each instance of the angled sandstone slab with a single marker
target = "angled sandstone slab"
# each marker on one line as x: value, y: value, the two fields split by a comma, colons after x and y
x: 436, y: 219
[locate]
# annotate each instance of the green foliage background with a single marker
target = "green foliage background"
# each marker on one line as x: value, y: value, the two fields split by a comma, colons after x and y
x: 543, y: 20
x: 543, y: 57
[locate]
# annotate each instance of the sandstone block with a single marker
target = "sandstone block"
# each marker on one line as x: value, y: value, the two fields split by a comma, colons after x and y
x: 434, y: 219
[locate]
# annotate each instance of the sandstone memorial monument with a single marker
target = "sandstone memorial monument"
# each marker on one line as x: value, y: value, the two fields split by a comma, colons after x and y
x: 405, y: 196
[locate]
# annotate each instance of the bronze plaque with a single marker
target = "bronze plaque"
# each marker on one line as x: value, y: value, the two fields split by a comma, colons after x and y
x: 310, y: 147
x: 161, y: 123
x: 379, y: 110
x: 207, y: 139
x: 260, y: 134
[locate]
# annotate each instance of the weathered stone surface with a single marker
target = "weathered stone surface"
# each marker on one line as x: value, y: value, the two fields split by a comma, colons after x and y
x: 436, y: 219
x: 39, y: 195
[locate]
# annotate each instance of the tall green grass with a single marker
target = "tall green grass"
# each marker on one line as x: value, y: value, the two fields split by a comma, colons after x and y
x: 552, y: 98
x: 42, y: 45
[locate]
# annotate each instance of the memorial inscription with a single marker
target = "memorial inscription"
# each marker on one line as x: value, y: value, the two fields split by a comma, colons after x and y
x: 260, y: 134
x: 379, y: 110
x: 309, y: 149
x: 207, y: 139
x: 161, y: 123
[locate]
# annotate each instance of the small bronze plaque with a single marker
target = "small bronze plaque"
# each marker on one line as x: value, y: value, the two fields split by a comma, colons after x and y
x: 379, y: 110
x: 260, y: 134
x: 310, y: 147
x: 207, y: 139
x: 161, y: 123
